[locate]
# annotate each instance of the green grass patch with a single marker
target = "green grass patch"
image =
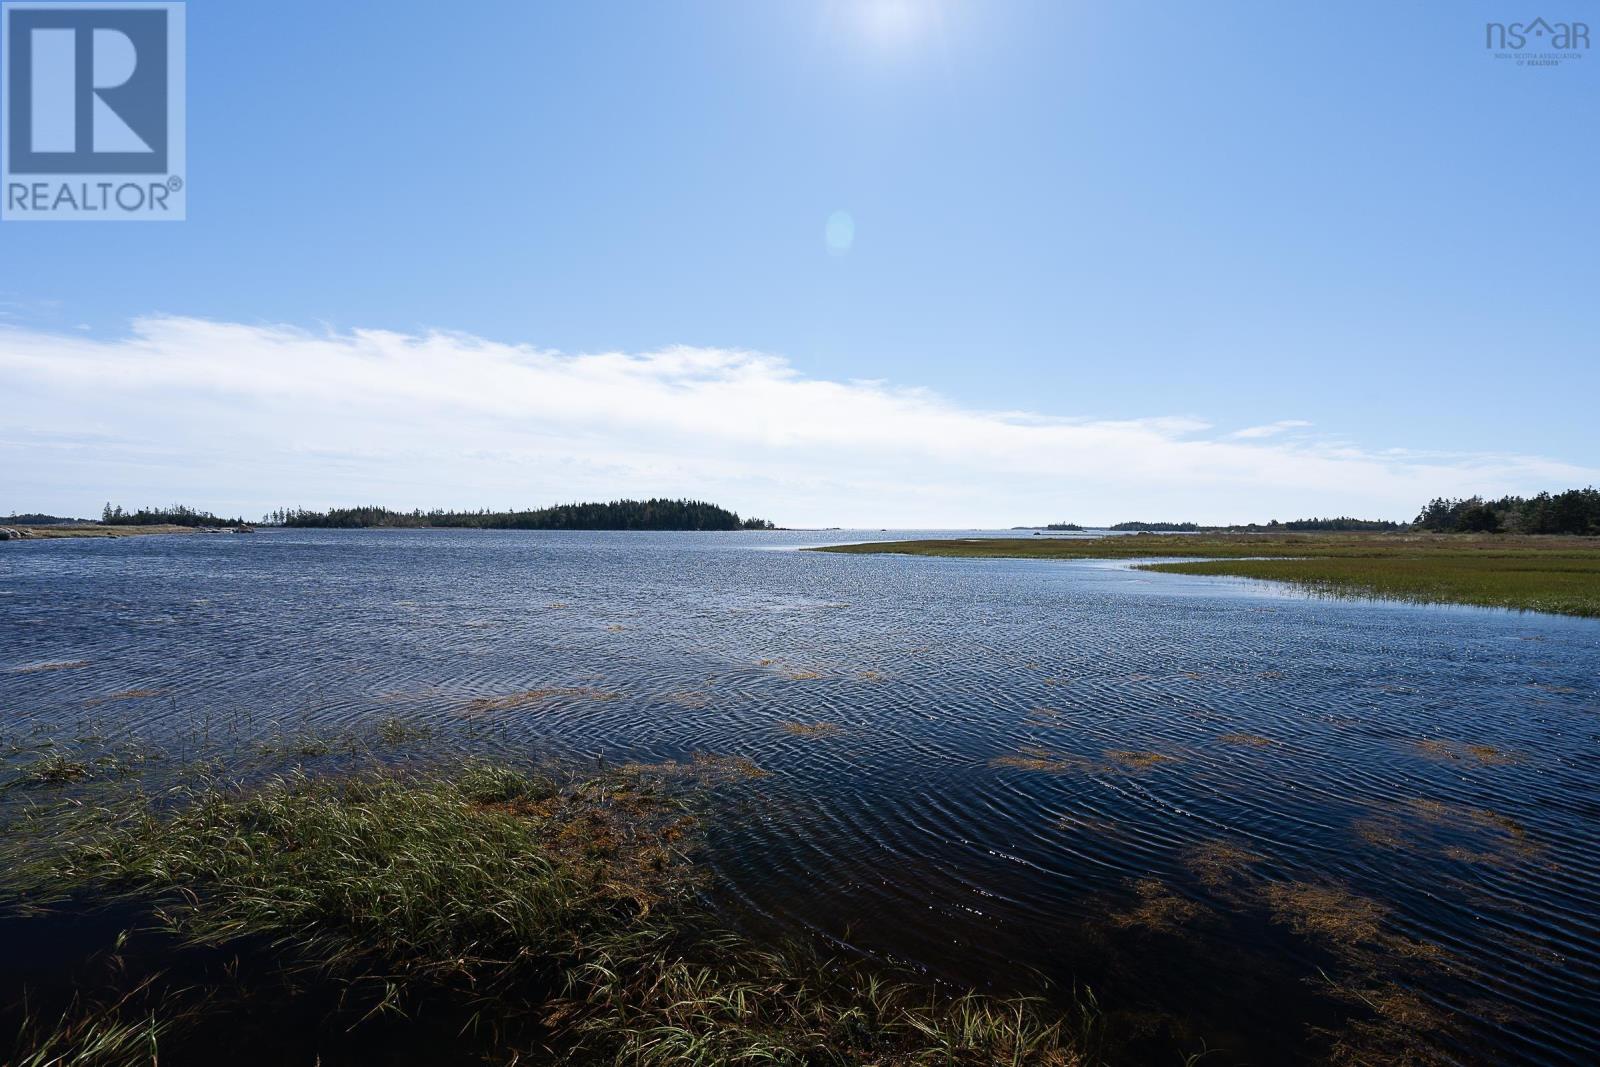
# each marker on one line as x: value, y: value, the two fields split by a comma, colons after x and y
x: 1560, y: 575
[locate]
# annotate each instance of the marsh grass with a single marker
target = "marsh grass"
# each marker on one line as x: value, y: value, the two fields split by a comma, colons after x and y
x: 394, y: 730
x: 559, y: 914
x: 123, y: 1032
x: 1530, y: 573
x: 54, y: 768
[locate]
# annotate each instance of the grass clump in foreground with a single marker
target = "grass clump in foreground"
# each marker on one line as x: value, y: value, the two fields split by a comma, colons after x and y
x: 1560, y: 575
x: 553, y: 918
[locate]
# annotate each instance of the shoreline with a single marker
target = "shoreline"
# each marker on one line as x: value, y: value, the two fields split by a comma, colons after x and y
x: 57, y: 533
x: 1551, y: 573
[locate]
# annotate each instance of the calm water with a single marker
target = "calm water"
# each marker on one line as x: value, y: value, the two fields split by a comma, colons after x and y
x: 1364, y: 810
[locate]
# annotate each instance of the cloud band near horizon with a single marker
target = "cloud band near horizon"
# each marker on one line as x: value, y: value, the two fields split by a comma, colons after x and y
x: 241, y: 418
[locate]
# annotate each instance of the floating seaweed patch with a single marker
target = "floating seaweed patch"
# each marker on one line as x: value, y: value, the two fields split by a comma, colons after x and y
x: 1490, y: 754
x: 1467, y: 835
x: 1435, y: 748
x: 127, y: 694
x: 54, y: 665
x: 530, y: 697
x: 1032, y: 758
x: 1158, y: 909
x: 1383, y: 833
x: 1250, y: 740
x: 1138, y: 761
x: 1219, y: 863
x: 815, y: 729
x: 706, y: 768
x: 1467, y: 855
x: 1327, y: 912
x: 1091, y: 824
x: 1402, y: 1027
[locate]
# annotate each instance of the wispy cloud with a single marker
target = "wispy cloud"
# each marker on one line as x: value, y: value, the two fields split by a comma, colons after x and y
x: 1271, y: 429
x: 241, y: 416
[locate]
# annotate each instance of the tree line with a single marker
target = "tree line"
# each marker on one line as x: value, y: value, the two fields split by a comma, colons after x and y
x: 656, y: 514
x: 175, y: 515
x: 1342, y: 522
x: 1576, y: 511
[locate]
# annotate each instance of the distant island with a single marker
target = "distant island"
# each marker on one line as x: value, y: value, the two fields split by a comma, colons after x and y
x: 36, y: 518
x: 656, y: 514
x: 1154, y: 527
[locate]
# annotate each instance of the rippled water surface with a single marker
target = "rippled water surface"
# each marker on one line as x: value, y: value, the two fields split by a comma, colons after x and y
x: 1280, y: 824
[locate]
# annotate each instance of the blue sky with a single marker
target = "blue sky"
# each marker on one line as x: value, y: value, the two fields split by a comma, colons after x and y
x: 1343, y: 229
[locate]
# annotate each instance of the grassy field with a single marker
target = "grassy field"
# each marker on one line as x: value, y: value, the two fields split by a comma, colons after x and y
x: 1560, y: 575
x: 473, y: 913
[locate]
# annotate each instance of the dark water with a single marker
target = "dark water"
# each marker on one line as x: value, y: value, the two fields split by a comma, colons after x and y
x: 1374, y: 824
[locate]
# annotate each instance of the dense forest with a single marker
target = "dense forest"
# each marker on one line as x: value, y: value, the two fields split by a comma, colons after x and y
x: 1343, y: 522
x: 1156, y: 527
x: 1577, y: 511
x: 176, y: 515
x: 617, y: 515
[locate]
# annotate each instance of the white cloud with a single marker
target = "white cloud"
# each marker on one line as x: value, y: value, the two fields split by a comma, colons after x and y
x: 242, y: 417
x: 1271, y: 429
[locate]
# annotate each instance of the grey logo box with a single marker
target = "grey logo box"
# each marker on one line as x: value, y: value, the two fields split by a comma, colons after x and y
x: 93, y: 111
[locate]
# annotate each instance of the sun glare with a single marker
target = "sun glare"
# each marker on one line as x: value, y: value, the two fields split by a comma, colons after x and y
x: 887, y: 23
x: 890, y: 21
